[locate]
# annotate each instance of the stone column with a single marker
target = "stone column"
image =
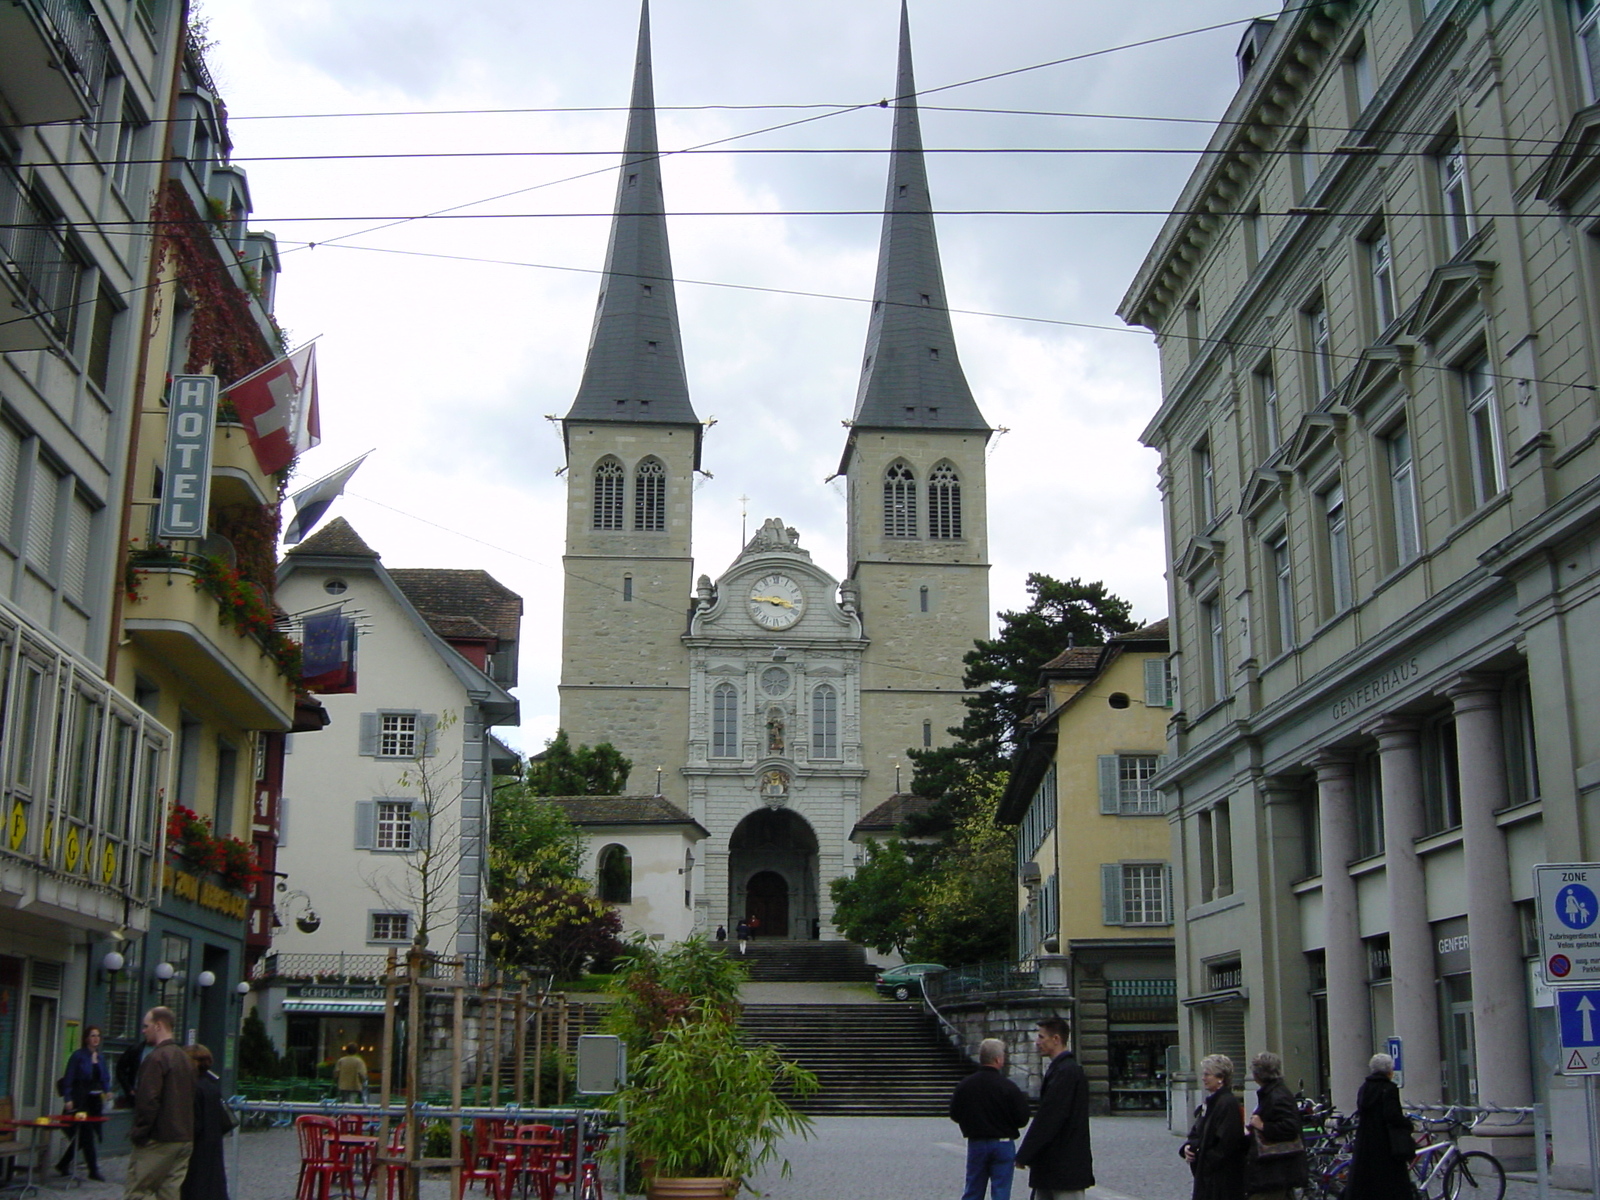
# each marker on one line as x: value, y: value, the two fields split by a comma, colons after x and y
x: 1416, y: 1005
x: 1349, y: 1043
x: 1499, y: 978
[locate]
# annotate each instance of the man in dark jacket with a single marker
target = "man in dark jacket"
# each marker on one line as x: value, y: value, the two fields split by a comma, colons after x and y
x: 163, y: 1114
x: 1056, y: 1148
x: 990, y: 1110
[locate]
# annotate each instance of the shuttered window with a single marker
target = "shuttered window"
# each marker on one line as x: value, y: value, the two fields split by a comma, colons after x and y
x: 10, y: 464
x: 75, y: 556
x: 42, y: 507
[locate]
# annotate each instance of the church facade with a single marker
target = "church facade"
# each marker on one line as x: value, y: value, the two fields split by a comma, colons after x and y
x: 776, y: 703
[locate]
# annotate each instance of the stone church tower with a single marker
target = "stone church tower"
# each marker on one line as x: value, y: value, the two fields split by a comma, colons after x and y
x: 777, y: 700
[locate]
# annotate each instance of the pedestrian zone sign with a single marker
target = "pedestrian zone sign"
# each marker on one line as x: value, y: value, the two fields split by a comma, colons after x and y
x: 1569, y: 922
x: 1578, y: 1013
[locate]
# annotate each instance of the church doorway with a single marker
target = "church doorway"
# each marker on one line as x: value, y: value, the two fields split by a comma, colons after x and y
x: 772, y: 873
x: 767, y: 899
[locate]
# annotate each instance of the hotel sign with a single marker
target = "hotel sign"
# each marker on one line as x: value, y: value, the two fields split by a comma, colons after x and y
x: 1376, y: 688
x: 186, y: 484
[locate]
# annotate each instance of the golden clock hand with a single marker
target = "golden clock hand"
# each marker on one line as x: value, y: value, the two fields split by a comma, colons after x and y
x: 772, y: 600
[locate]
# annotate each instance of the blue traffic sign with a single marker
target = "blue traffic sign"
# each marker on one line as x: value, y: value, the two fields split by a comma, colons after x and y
x: 1576, y: 907
x: 1579, y: 1012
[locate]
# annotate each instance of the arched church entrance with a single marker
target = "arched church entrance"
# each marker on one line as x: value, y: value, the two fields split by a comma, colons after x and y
x: 772, y: 873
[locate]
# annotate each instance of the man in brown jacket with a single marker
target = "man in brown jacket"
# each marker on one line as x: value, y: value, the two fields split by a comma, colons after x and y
x: 163, y: 1114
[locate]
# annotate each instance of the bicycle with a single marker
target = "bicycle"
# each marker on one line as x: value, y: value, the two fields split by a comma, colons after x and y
x: 1441, y: 1170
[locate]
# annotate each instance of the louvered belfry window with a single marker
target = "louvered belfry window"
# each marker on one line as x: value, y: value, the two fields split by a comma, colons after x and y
x: 650, y: 496
x: 608, y: 483
x: 899, y: 501
x: 944, y: 502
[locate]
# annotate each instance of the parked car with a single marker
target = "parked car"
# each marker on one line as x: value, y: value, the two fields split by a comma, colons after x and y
x: 905, y: 981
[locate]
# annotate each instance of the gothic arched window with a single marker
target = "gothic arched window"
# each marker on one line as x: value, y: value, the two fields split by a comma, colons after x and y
x: 725, y: 721
x: 650, y: 496
x: 825, y: 722
x: 899, y: 501
x: 944, y: 502
x: 616, y: 875
x: 608, y: 481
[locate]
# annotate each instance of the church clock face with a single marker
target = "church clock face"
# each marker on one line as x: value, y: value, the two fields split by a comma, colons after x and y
x: 776, y: 602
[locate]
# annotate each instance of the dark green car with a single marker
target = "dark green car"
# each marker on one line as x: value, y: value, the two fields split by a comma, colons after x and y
x: 904, y: 982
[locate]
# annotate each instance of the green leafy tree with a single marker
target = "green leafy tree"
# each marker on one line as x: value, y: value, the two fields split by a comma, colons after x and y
x: 564, y: 770
x: 530, y: 837
x: 967, y: 896
x: 658, y: 985
x: 553, y: 924
x: 879, y: 905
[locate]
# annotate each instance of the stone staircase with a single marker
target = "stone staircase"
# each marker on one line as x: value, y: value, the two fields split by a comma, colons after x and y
x: 780, y: 960
x: 873, y: 1060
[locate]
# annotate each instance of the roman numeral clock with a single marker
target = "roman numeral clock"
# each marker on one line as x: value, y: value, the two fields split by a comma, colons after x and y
x: 776, y: 602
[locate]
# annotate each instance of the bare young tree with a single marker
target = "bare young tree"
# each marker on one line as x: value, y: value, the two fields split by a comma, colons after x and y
x: 422, y: 875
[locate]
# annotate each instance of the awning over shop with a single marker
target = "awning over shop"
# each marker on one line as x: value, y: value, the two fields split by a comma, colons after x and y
x: 303, y: 1004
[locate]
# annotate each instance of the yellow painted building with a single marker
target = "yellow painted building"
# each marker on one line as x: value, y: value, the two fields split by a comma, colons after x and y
x: 1094, y: 878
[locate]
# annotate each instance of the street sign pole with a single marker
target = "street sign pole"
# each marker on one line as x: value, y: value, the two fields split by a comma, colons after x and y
x: 1594, y: 1135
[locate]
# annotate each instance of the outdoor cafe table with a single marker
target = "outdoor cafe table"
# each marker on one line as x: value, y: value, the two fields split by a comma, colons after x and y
x: 41, y: 1127
x: 357, y: 1147
x: 526, y: 1145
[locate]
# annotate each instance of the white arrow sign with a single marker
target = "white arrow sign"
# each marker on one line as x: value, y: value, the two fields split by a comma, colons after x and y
x: 1586, y: 1007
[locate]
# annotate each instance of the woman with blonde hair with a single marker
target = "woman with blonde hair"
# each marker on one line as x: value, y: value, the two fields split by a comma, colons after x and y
x: 1216, y: 1145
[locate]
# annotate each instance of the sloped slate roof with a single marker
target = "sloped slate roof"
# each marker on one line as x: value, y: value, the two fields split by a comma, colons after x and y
x: 472, y: 601
x: 336, y: 539
x: 625, y: 810
x: 1075, y: 658
x: 888, y: 815
x: 1154, y: 632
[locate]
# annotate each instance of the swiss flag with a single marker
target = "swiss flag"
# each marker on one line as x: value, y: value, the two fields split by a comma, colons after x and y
x: 278, y: 405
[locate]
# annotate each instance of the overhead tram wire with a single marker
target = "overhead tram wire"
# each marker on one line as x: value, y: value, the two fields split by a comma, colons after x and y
x: 676, y: 610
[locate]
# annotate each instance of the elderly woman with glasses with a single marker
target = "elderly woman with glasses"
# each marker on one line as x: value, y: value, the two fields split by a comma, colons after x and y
x: 1216, y: 1145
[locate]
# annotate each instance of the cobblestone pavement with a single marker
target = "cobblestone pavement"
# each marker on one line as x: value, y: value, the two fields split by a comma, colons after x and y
x: 848, y: 1158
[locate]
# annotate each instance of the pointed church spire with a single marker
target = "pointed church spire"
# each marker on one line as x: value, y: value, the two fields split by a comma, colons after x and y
x: 911, y: 377
x: 634, y: 371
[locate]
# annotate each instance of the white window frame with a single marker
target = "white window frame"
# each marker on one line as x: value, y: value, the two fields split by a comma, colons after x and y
x: 1486, y: 464
x: 1135, y: 796
x: 1336, y: 530
x: 1271, y: 417
x: 395, y: 739
x: 391, y: 937
x: 1380, y: 265
x: 1283, y: 591
x: 1455, y: 190
x: 394, y: 826
x: 1401, y: 464
x: 1320, y: 336
x: 1205, y: 483
x: 1150, y: 880
x: 1213, y: 633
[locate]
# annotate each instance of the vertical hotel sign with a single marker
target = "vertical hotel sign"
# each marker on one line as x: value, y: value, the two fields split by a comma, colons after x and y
x: 186, y: 487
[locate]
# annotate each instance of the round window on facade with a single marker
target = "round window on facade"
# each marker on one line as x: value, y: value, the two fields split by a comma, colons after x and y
x: 1118, y: 699
x: 336, y: 587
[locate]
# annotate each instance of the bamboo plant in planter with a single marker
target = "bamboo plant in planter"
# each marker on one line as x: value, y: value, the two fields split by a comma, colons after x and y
x: 705, y: 1113
x: 703, y: 1106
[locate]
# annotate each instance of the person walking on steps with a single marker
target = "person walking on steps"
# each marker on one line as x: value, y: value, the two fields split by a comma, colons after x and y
x: 86, y: 1088
x: 742, y: 931
x: 991, y: 1110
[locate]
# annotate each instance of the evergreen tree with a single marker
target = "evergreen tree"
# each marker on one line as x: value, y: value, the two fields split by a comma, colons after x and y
x: 258, y: 1058
x: 562, y: 770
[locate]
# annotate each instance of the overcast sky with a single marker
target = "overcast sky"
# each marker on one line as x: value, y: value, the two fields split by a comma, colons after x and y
x: 449, y: 367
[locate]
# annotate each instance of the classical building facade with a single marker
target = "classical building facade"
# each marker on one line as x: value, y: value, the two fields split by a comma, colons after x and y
x: 1093, y: 849
x: 1375, y: 304
x: 777, y: 700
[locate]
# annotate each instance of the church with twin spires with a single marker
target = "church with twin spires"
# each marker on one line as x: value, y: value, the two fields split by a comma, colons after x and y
x: 775, y: 703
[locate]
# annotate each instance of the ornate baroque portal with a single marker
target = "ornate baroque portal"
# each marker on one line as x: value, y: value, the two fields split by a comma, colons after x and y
x: 774, y: 767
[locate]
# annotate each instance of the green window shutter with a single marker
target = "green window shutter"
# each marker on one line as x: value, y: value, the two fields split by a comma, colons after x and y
x: 1167, y: 915
x: 1110, y: 783
x: 1111, y: 892
x: 1155, y: 683
x: 366, y: 824
x: 428, y: 726
x: 368, y: 739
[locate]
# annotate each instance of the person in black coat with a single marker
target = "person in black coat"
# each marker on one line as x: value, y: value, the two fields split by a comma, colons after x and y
x: 1276, y: 1125
x: 1379, y: 1168
x: 1216, y: 1145
x: 1056, y: 1147
x: 990, y: 1110
x: 207, y: 1178
x: 85, y: 1087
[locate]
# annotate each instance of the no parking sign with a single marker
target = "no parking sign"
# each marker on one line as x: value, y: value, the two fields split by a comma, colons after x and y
x: 1569, y: 921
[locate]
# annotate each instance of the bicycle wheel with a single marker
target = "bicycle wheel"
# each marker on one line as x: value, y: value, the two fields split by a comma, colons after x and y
x: 1475, y: 1175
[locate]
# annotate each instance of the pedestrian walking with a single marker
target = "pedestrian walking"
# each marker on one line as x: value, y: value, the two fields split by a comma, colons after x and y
x: 722, y: 933
x: 1056, y: 1147
x: 742, y: 930
x: 86, y: 1089
x: 207, y: 1176
x: 1276, y: 1160
x: 755, y: 924
x: 1385, y: 1141
x: 991, y: 1111
x: 350, y: 1076
x: 1216, y: 1147
x: 162, y: 1132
